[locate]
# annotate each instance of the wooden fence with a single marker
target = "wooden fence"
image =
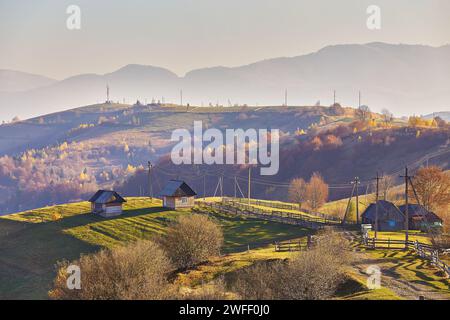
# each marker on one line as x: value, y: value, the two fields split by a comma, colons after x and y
x: 242, y: 205
x: 275, y: 216
x: 283, y: 206
x: 423, y: 250
x: 292, y: 245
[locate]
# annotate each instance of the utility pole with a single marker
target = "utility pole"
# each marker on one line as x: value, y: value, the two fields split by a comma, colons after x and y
x: 107, y: 93
x: 150, y: 188
x: 378, y: 178
x: 407, y: 177
x: 249, y: 182
x: 235, y: 186
x: 334, y: 97
x: 221, y: 186
x: 204, y: 186
x: 356, y: 182
x: 359, y: 99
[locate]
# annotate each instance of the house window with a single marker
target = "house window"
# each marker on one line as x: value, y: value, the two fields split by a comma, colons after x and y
x: 184, y: 200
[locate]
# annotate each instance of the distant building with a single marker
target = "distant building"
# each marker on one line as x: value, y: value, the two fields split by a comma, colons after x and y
x: 107, y: 203
x: 177, y: 194
x: 390, y: 218
x: 420, y: 218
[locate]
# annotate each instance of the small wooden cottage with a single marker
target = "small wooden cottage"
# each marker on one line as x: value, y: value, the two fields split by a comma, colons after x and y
x: 420, y: 218
x: 107, y: 203
x: 177, y: 194
x: 390, y: 218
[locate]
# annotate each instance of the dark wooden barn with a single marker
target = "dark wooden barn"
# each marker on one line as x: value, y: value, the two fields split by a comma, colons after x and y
x: 390, y: 218
x: 420, y: 218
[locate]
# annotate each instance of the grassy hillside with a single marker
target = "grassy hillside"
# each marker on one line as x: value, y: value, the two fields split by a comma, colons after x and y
x: 32, y: 242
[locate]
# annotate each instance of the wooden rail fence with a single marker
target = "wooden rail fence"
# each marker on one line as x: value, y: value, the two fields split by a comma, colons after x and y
x: 285, y: 206
x: 276, y: 216
x: 423, y: 250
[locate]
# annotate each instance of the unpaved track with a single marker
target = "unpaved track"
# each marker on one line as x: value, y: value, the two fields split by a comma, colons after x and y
x: 391, y: 280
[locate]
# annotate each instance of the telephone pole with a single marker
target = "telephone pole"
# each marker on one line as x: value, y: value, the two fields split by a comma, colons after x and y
x: 204, y: 186
x: 150, y: 188
x: 285, y: 97
x: 249, y: 182
x: 407, y: 177
x: 378, y: 178
x: 357, y: 182
x: 334, y: 97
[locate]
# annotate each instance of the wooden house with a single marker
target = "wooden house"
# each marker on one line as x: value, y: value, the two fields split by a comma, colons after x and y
x: 420, y: 218
x: 390, y: 218
x: 107, y: 203
x: 177, y: 194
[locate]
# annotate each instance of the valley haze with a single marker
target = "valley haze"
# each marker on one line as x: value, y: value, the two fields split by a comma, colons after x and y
x: 406, y: 79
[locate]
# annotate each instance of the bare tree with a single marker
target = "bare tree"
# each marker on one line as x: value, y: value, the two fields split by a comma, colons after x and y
x: 316, y: 191
x: 297, y: 191
x: 192, y: 239
x: 363, y: 113
x: 385, y: 187
x: 387, y: 116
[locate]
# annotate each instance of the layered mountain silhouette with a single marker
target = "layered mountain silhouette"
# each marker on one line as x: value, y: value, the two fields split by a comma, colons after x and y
x: 406, y: 79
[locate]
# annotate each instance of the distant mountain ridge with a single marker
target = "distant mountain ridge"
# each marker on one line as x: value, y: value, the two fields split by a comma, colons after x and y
x: 406, y: 79
x: 14, y: 81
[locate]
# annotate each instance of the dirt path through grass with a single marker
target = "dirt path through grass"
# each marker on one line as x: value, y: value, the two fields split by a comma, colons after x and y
x: 406, y: 274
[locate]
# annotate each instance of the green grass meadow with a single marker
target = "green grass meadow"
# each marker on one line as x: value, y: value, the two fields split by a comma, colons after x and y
x: 32, y: 242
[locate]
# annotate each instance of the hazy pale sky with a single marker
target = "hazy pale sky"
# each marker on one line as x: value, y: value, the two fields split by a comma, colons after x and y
x: 182, y: 35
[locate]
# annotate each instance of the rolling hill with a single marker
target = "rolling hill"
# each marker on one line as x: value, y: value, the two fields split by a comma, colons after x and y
x: 402, y: 78
x: 16, y: 81
x: 32, y: 242
x: 66, y: 156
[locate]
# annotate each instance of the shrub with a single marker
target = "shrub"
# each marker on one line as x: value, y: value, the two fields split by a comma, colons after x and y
x: 192, y: 239
x: 136, y: 271
x: 312, y: 275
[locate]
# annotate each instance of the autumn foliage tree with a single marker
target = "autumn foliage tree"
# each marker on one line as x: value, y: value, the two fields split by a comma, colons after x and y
x: 316, y: 191
x: 432, y: 186
x: 297, y: 191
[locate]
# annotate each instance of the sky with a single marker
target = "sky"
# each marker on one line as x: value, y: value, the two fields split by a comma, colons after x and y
x: 182, y: 35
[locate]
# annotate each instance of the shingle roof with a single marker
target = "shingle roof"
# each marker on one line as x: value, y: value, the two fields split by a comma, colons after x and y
x: 177, y: 188
x: 106, y: 196
x: 386, y: 210
x: 419, y: 211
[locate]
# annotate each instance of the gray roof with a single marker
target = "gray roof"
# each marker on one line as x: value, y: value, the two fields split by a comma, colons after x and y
x: 106, y: 196
x: 386, y: 211
x: 419, y: 211
x: 177, y: 188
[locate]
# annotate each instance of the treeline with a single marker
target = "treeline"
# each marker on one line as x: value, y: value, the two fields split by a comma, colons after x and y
x: 63, y: 173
